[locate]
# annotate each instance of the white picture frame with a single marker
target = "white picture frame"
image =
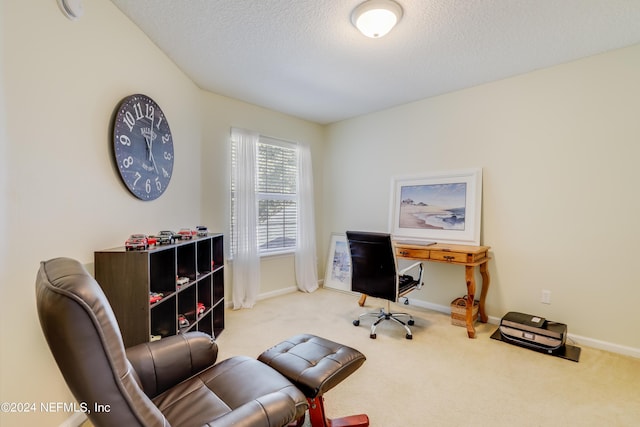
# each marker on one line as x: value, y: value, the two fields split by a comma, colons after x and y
x: 338, y: 271
x: 439, y: 207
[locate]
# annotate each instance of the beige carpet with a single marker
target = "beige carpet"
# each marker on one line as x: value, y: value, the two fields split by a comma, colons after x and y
x: 442, y: 378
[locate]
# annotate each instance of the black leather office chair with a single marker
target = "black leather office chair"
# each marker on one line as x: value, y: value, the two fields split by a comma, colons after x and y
x: 374, y: 273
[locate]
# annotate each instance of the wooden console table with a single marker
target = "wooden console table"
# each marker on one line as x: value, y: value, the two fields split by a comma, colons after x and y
x: 469, y: 256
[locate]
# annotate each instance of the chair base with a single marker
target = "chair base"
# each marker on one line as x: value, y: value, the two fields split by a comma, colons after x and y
x: 318, y: 416
x: 383, y: 315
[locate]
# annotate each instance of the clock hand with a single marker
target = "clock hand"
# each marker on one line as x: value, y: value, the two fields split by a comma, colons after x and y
x: 149, y: 142
x: 153, y: 161
x: 151, y: 138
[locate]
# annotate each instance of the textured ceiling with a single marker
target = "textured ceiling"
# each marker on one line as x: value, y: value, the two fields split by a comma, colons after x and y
x: 304, y: 57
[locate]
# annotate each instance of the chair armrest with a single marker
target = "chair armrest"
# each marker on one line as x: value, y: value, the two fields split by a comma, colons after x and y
x: 164, y: 363
x: 412, y: 266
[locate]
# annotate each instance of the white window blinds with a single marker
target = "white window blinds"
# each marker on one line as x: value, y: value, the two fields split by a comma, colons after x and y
x: 276, y: 194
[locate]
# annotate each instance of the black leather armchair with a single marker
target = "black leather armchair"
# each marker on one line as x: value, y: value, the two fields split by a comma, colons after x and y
x: 170, y: 382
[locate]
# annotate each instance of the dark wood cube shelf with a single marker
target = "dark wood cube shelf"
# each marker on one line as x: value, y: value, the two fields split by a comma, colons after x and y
x: 129, y: 277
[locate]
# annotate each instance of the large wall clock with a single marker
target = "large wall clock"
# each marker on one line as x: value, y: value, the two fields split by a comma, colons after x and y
x: 143, y: 146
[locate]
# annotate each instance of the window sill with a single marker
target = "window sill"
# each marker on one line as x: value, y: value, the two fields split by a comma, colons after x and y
x: 278, y: 254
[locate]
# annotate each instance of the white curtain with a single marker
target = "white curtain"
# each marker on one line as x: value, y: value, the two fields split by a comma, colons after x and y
x: 246, y: 260
x: 305, y: 259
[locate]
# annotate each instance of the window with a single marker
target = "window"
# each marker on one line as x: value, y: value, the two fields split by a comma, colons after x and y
x: 276, y: 194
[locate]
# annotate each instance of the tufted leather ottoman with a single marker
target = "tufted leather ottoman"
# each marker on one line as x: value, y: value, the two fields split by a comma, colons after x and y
x: 316, y: 365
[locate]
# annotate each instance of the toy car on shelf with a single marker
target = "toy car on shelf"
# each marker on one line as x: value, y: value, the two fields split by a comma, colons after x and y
x: 182, y: 281
x: 201, y: 230
x: 201, y: 309
x: 182, y: 321
x: 186, y: 233
x: 139, y: 242
x: 155, y: 297
x: 166, y: 237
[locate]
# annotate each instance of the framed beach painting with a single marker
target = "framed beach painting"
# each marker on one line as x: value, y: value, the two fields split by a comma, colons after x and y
x: 442, y: 207
x: 338, y: 273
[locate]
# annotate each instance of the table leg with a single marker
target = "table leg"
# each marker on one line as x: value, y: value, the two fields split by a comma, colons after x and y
x: 471, y: 293
x: 363, y: 299
x: 484, y: 271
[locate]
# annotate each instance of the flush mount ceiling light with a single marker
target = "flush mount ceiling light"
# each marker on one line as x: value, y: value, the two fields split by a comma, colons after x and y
x: 375, y: 18
x: 72, y: 9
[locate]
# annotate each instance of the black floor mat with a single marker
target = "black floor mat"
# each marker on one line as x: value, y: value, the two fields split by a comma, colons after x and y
x: 568, y: 351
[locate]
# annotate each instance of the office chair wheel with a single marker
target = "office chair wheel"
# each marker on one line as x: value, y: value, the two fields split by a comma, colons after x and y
x: 372, y: 336
x: 356, y: 323
x: 409, y: 336
x: 410, y: 322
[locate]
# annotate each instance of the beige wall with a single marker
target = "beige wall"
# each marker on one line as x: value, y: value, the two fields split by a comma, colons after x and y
x: 559, y: 149
x: 60, y: 194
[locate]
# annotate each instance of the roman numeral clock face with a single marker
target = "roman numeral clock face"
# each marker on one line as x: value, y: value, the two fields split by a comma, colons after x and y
x: 143, y: 147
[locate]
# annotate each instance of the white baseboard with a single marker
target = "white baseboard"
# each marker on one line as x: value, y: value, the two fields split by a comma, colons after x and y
x: 268, y: 295
x: 429, y: 305
x: 277, y: 293
x: 603, y: 345
x: 577, y: 339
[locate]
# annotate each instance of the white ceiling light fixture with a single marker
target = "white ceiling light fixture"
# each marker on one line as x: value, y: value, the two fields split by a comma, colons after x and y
x: 375, y: 18
x: 72, y: 9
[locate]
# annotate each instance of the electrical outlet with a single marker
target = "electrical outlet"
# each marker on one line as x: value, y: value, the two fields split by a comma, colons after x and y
x: 545, y: 298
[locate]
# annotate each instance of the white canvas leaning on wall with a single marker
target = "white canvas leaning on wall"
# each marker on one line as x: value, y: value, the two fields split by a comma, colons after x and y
x: 440, y: 207
x: 338, y: 273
